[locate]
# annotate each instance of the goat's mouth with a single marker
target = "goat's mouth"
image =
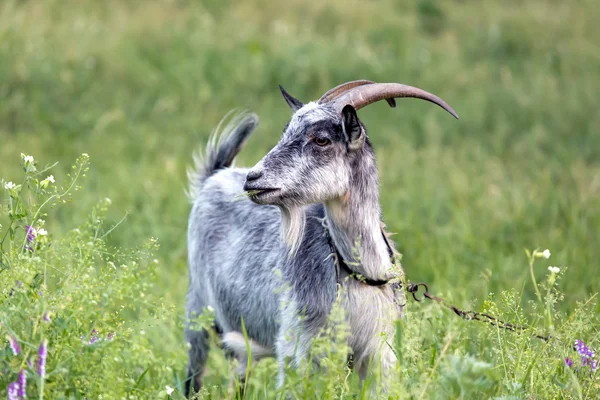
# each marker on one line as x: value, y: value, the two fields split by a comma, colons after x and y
x: 262, y: 194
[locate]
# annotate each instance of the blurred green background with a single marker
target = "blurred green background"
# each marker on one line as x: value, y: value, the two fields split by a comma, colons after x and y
x: 139, y: 85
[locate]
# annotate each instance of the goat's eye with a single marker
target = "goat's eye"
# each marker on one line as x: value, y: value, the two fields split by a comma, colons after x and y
x: 322, y: 141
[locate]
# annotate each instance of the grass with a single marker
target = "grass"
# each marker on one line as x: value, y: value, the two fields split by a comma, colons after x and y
x: 139, y: 85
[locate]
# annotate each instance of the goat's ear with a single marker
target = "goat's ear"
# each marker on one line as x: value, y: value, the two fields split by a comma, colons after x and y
x: 353, y: 131
x: 293, y: 102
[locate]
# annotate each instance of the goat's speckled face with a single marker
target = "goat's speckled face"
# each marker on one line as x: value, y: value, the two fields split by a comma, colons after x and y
x: 311, y: 162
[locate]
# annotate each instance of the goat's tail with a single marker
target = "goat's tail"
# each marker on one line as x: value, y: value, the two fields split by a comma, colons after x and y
x: 223, y: 145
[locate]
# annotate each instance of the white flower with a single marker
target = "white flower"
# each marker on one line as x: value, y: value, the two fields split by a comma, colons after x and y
x: 546, y: 254
x: 42, y: 232
x: 9, y: 186
x: 169, y: 390
x: 554, y: 270
x: 47, y: 181
x: 27, y: 159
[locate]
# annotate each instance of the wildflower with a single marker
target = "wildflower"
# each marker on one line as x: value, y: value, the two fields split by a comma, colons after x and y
x: 46, y: 317
x: 47, y: 181
x: 587, y: 355
x: 22, y: 382
x: 42, y: 232
x: 169, y: 390
x: 569, y: 362
x: 31, y: 232
x: 27, y: 159
x: 13, y: 391
x: 554, y: 270
x: 110, y: 336
x: 14, y: 345
x: 582, y: 349
x: 546, y: 254
x: 542, y: 254
x: 94, y: 337
x: 42, y: 355
x: 9, y: 186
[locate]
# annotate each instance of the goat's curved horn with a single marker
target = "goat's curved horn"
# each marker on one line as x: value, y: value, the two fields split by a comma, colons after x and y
x: 344, y: 87
x: 364, y: 94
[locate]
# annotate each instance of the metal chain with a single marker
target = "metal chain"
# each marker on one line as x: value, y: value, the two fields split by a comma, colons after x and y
x: 413, y: 288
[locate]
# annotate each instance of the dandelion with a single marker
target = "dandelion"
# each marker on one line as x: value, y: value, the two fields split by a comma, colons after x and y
x: 13, y: 391
x: 42, y: 355
x: 22, y: 382
x: 169, y: 390
x: 14, y: 345
x: 9, y: 186
x: 554, y: 270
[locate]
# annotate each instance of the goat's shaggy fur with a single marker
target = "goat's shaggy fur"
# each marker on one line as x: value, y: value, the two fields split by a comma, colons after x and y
x: 235, y: 247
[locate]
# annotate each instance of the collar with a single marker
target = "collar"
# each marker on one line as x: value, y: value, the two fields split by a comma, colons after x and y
x: 341, y: 264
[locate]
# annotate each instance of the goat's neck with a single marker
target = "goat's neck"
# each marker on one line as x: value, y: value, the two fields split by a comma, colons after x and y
x: 354, y: 222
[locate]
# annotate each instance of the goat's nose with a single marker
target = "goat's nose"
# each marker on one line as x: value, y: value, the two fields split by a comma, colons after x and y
x: 253, y: 175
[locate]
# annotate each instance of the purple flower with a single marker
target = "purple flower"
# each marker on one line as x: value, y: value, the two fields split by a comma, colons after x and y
x: 583, y: 350
x: 46, y: 317
x: 569, y: 362
x: 94, y: 337
x: 13, y: 391
x: 30, y: 233
x: 587, y: 355
x: 110, y: 336
x: 42, y: 354
x: 14, y: 345
x: 22, y: 381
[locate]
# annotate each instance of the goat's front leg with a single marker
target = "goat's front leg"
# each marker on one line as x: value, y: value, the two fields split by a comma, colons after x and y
x: 381, y: 366
x: 293, y: 350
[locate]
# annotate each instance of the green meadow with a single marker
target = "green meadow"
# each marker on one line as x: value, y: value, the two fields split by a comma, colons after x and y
x: 138, y: 86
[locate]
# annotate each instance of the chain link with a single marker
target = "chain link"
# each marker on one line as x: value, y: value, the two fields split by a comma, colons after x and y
x: 413, y: 288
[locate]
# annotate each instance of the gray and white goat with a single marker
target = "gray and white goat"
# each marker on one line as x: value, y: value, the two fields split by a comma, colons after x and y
x: 318, y: 187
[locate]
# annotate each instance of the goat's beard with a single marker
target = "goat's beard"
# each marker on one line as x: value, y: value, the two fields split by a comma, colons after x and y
x: 292, y: 226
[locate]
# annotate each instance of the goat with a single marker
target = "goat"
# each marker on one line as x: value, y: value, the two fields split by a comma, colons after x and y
x: 318, y: 187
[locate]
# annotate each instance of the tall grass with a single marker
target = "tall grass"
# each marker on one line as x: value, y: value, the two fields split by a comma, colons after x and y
x: 137, y: 85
